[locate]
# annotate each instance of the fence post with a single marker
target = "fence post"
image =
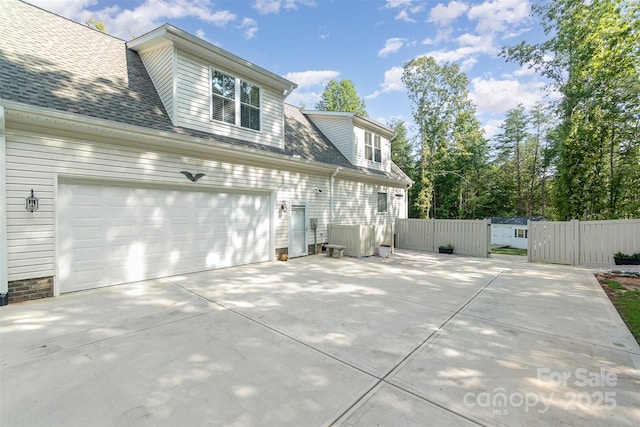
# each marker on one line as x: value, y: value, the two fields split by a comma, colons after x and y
x: 576, y: 241
x: 529, y: 240
x: 433, y: 235
x: 488, y: 238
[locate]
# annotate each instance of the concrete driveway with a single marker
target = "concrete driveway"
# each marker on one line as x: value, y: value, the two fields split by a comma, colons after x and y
x: 319, y: 341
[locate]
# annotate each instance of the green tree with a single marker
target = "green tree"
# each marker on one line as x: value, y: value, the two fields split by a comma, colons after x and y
x: 511, y: 140
x: 450, y: 139
x: 341, y: 96
x: 96, y: 25
x: 401, y: 149
x: 593, y: 58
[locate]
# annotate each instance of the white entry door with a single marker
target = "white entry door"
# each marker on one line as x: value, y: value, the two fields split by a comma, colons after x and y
x: 109, y: 234
x: 298, y: 231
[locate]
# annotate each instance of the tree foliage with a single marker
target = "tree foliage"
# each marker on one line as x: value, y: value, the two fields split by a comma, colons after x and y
x: 593, y: 59
x: 341, y: 96
x: 96, y: 24
x: 451, y: 147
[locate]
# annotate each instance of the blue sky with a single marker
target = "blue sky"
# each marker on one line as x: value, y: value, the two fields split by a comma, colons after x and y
x: 367, y: 41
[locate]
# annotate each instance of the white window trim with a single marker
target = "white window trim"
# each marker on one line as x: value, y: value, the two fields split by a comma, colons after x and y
x: 386, y: 211
x: 237, y: 101
x: 372, y: 144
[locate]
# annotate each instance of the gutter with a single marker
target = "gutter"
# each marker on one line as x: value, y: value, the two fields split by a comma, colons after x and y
x: 331, y: 207
x: 4, y: 278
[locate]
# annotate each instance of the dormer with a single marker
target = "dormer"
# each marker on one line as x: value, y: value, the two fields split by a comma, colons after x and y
x: 364, y: 142
x: 206, y: 88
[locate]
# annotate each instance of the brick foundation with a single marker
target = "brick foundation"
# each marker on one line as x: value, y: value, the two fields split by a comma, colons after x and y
x: 280, y: 251
x: 30, y: 289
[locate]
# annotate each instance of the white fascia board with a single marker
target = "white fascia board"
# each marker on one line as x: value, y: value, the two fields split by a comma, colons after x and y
x: 28, y: 115
x: 210, y: 53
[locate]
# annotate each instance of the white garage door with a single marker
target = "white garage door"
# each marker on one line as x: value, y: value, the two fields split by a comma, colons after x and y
x: 109, y: 234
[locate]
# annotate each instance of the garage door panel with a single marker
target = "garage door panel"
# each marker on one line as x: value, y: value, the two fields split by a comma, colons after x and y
x: 109, y: 234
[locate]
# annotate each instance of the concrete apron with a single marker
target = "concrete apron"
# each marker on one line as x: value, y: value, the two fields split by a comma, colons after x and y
x: 318, y: 341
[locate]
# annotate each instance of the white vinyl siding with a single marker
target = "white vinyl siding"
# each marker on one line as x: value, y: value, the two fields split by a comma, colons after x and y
x: 34, y: 160
x: 159, y: 63
x: 339, y: 130
x: 357, y: 203
x: 194, y: 105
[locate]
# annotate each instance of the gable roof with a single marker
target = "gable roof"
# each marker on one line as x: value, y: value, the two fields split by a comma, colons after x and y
x: 356, y: 119
x: 51, y: 62
x: 210, y: 53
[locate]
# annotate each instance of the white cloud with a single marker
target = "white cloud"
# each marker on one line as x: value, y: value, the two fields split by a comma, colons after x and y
x: 491, y: 128
x: 68, y: 8
x: 311, y: 78
x: 471, y: 46
x: 268, y: 7
x: 406, y: 7
x: 250, y: 27
x: 306, y: 99
x: 496, y: 15
x: 403, y: 15
x: 443, y: 15
x: 392, y: 4
x: 392, y: 82
x: 497, y: 96
x: 143, y: 17
x: 391, y: 46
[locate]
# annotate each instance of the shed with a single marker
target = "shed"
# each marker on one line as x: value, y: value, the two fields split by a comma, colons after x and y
x: 511, y: 231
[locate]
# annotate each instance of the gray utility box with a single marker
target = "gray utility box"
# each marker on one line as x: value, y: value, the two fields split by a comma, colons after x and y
x: 313, y: 223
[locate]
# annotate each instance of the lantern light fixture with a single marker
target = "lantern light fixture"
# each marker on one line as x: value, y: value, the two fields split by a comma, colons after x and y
x: 31, y: 202
x: 283, y: 206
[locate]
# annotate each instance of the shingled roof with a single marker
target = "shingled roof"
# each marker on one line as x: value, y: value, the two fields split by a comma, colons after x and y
x: 49, y: 61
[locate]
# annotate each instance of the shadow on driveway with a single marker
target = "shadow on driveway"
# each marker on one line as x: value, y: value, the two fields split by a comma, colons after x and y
x: 317, y: 341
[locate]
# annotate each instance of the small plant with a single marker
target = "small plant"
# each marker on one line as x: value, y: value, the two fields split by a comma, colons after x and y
x: 614, y: 285
x: 621, y: 258
x: 625, y: 256
x: 446, y: 249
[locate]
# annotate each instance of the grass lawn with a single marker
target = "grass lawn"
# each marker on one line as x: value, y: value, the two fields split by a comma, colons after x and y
x: 626, y: 299
x: 509, y: 251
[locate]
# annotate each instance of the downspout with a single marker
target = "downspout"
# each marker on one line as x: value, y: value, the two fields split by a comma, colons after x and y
x: 4, y: 277
x: 331, y: 207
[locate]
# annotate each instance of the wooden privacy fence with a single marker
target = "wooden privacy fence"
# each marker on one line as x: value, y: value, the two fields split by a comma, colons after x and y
x: 361, y: 240
x: 582, y: 242
x: 469, y: 237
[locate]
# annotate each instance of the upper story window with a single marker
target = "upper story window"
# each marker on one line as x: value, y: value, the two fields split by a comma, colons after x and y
x: 234, y: 101
x: 372, y: 147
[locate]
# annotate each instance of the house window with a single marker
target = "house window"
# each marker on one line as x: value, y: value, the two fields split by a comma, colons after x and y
x: 234, y: 101
x: 382, y: 202
x: 520, y: 233
x: 372, y: 147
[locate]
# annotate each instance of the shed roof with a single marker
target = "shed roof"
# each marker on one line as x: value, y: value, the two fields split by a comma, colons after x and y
x: 520, y: 220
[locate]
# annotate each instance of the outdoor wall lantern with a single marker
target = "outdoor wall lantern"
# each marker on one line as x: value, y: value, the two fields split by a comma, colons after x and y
x: 31, y: 202
x: 283, y: 206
